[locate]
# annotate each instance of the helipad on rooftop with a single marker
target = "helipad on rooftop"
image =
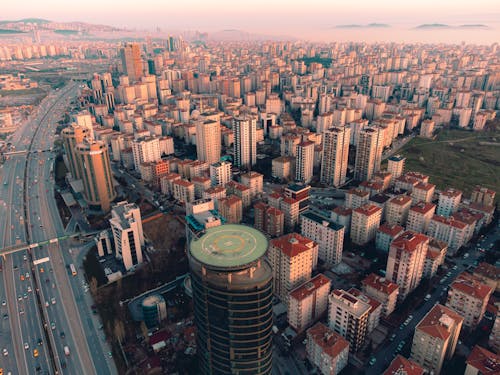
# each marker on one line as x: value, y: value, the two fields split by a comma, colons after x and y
x: 229, y: 246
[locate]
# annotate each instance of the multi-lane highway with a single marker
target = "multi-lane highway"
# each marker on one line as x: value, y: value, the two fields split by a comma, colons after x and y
x: 49, y: 313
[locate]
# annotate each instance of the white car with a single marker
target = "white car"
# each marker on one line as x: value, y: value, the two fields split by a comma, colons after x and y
x: 53, y: 300
x: 26, y: 346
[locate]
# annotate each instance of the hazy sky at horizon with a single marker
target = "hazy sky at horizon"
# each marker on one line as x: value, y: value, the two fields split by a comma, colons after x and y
x: 283, y: 17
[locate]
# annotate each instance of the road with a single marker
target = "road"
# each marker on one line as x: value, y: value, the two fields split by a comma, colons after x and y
x: 61, y: 307
x: 386, y: 353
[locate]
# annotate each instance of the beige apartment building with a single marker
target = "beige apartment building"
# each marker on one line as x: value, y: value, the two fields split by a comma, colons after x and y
x: 348, y: 316
x: 448, y: 203
x: 405, y: 264
x: 308, y: 302
x: 364, y: 223
x: 419, y: 217
x: 469, y: 296
x: 183, y: 191
x: 435, y: 338
x: 292, y: 257
x: 326, y: 349
x: 335, y: 155
x: 255, y: 181
x: 423, y: 192
x: 397, y: 209
x: 383, y: 290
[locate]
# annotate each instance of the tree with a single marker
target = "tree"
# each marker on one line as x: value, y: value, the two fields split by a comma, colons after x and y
x: 119, y: 330
x: 93, y: 286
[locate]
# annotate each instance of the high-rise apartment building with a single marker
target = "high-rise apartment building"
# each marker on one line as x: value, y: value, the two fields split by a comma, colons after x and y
x: 469, y: 296
x: 364, y: 223
x: 368, y: 153
x: 402, y: 366
x: 397, y: 209
x: 231, y: 208
x: 436, y: 337
x: 131, y: 61
x: 328, y: 234
x: 232, y: 294
x: 308, y: 302
x: 208, y: 141
x: 383, y: 290
x: 270, y: 220
x: 423, y: 192
x: 449, y: 201
x: 292, y: 258
x: 484, y: 196
x: 255, y: 181
x: 396, y: 166
x: 326, y: 349
x: 245, y: 141
x: 335, y: 155
x: 453, y: 232
x: 126, y: 226
x: 71, y: 136
x: 348, y: 316
x: 98, y: 189
x: 220, y: 173
x: 405, y: 264
x: 420, y: 217
x: 304, y: 162
x: 145, y: 150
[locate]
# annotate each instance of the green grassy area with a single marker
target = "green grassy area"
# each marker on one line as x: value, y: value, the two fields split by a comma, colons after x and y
x: 9, y: 31
x: 457, y: 159
x: 66, y: 32
x: 32, y: 91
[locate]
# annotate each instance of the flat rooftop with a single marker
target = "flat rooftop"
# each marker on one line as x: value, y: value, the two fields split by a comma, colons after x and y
x: 229, y: 246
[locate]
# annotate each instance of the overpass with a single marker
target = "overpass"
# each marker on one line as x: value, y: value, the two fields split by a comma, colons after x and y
x: 27, y: 246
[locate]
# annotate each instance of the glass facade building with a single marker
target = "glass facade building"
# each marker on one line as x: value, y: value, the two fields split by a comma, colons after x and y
x: 232, y: 294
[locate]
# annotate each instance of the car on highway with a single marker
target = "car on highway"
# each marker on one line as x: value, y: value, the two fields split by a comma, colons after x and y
x: 26, y: 346
x: 62, y: 335
x: 35, y: 353
x: 29, y: 289
x: 53, y: 300
x: 5, y: 352
x: 27, y: 275
x: 19, y: 298
x: 4, y: 303
x: 393, y: 336
x: 53, y: 326
x: 372, y: 361
x: 25, y: 296
x: 40, y: 342
x: 427, y: 297
x: 5, y: 316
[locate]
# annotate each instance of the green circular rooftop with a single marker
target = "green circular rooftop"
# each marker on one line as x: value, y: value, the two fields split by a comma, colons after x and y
x: 229, y: 246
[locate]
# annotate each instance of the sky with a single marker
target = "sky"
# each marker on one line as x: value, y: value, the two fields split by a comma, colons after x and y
x: 308, y: 18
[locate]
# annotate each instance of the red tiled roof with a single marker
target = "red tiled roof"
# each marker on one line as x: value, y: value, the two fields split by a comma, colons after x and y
x: 331, y: 342
x: 402, y: 366
x: 449, y: 221
x: 293, y: 244
x: 358, y: 192
x: 391, y: 230
x: 471, y: 285
x: 488, y: 270
x: 424, y: 186
x: 374, y: 304
x: 409, y: 240
x: 423, y: 207
x: 401, y: 200
x: 380, y: 283
x: 309, y: 287
x: 486, y: 362
x: 433, y: 324
x: 184, y: 183
x: 451, y: 193
x: 342, y: 211
x: 368, y: 209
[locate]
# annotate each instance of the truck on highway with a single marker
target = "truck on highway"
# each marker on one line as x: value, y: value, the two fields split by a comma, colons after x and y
x: 73, y: 269
x: 66, y: 351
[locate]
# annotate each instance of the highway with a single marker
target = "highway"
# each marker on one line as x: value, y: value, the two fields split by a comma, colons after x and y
x: 61, y: 323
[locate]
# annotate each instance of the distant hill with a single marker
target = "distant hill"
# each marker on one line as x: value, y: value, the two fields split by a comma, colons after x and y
x: 433, y: 26
x: 444, y: 26
x: 38, y: 21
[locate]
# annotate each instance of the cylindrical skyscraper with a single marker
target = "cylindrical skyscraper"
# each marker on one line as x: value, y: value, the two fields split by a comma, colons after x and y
x: 232, y: 294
